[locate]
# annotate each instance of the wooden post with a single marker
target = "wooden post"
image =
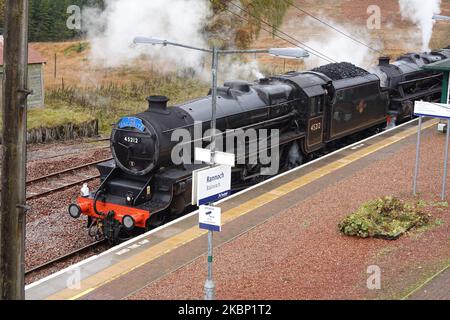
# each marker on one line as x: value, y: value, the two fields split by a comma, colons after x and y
x: 14, y: 110
x: 54, y: 73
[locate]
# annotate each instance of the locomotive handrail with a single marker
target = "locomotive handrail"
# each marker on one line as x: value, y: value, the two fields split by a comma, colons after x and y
x: 267, y: 107
x: 421, y: 79
x: 289, y: 115
x: 416, y: 95
x: 136, y: 199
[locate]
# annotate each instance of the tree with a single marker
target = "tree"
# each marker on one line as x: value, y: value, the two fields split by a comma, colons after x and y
x: 48, y: 18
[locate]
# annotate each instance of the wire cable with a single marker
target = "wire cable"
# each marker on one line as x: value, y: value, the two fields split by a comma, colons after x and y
x: 312, y: 50
x: 332, y: 27
x: 296, y: 43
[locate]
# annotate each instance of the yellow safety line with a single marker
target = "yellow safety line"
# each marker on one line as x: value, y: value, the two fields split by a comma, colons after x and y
x: 125, y: 266
x: 427, y: 281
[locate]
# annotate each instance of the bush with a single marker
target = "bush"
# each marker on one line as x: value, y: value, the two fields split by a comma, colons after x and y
x: 387, y: 217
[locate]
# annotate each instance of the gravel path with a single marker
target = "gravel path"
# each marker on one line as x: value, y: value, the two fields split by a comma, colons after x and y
x: 300, y: 254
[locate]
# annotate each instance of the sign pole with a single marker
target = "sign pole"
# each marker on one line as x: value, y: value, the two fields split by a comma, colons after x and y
x: 444, y: 178
x: 416, y: 169
x: 209, y: 284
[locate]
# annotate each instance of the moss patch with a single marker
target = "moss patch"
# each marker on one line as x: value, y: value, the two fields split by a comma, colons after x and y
x: 387, y: 217
x: 76, y: 48
x: 55, y: 114
x: 108, y: 102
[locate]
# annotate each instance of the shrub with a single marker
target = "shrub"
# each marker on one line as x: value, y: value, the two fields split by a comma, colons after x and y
x: 387, y: 217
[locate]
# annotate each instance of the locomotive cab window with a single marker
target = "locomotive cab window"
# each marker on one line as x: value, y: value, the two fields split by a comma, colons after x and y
x: 312, y: 107
x: 319, y: 105
x: 316, y: 106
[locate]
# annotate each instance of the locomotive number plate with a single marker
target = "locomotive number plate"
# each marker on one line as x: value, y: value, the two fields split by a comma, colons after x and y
x: 131, y: 139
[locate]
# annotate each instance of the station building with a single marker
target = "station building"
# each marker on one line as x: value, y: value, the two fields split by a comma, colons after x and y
x: 35, y: 76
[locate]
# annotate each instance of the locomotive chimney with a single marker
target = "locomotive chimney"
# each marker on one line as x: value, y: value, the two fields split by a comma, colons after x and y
x: 384, y: 61
x: 157, y: 102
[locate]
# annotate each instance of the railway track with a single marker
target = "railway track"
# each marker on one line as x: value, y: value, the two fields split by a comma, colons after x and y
x: 57, y: 181
x: 65, y: 257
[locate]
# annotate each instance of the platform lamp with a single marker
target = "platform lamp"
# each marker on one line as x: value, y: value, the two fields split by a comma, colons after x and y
x: 286, y: 53
x: 439, y: 17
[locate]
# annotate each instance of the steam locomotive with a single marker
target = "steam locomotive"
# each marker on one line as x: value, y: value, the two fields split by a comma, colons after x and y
x: 313, y: 111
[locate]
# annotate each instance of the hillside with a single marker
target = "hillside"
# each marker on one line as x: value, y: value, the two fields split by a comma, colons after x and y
x: 109, y: 92
x: 395, y: 37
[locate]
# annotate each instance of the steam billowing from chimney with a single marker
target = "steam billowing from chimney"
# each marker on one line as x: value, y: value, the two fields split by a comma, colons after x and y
x: 421, y: 13
x: 111, y: 31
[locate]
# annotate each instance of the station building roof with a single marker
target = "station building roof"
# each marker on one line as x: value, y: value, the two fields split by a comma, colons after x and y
x: 33, y: 56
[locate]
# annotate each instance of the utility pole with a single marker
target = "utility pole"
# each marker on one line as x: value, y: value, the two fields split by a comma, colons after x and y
x: 14, y: 112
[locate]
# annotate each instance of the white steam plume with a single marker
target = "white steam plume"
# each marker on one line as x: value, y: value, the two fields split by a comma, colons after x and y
x: 421, y: 13
x: 111, y: 31
x: 332, y: 45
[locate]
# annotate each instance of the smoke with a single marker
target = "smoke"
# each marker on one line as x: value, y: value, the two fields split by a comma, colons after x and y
x: 421, y: 13
x: 340, y: 49
x: 111, y: 32
x: 231, y: 69
x: 331, y: 45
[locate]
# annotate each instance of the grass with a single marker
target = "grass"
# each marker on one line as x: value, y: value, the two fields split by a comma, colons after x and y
x: 55, y: 114
x: 76, y: 48
x: 110, y: 101
x: 387, y: 217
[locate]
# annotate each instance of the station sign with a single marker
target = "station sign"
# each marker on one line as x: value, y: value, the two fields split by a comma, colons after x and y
x: 211, y: 184
x: 210, y: 218
x: 429, y: 109
x: 204, y: 155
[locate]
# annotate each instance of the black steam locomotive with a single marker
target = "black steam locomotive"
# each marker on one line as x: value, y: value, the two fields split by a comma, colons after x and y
x: 313, y: 110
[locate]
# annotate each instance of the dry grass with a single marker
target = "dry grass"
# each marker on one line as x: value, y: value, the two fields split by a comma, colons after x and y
x: 80, y: 89
x: 110, y: 101
x: 55, y: 114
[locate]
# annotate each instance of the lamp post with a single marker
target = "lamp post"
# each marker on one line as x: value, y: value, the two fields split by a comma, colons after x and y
x: 439, y: 17
x: 286, y: 53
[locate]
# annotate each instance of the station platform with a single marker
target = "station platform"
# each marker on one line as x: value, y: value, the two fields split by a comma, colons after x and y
x: 131, y: 266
